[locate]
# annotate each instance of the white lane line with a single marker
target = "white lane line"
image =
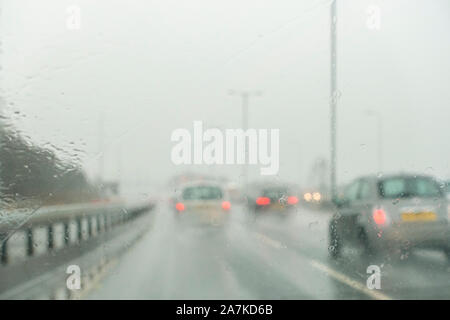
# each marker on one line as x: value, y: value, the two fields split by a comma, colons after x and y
x: 348, y: 281
x: 330, y: 272
x: 269, y: 241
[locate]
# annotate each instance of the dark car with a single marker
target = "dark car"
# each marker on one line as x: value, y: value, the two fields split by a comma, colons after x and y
x: 278, y: 199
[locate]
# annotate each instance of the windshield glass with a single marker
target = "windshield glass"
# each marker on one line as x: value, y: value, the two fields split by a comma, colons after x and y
x: 233, y: 149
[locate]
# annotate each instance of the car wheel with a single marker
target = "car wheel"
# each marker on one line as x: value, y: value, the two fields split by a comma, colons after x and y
x: 335, y: 241
x: 368, y: 249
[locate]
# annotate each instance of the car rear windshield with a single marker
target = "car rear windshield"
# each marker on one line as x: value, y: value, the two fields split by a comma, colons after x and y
x: 407, y: 187
x: 275, y: 193
x: 202, y: 193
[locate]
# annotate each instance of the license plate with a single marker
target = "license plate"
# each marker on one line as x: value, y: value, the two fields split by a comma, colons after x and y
x: 277, y: 206
x: 418, y: 216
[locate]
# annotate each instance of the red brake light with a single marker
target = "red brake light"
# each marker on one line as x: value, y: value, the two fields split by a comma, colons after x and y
x: 179, y: 206
x: 379, y: 216
x: 226, y: 205
x: 292, y: 200
x: 262, y: 201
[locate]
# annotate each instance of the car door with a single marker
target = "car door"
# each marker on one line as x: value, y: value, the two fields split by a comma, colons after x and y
x: 362, y: 206
x: 349, y: 211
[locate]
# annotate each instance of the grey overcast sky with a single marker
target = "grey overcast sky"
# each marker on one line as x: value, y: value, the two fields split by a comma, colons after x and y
x: 149, y: 67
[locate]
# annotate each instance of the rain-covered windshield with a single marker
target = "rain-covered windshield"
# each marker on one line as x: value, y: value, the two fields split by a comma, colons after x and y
x: 234, y: 149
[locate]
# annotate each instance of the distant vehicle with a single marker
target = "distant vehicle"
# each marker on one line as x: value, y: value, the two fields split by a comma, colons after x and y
x: 204, y: 203
x: 312, y: 197
x: 447, y: 189
x: 272, y: 198
x: 395, y: 213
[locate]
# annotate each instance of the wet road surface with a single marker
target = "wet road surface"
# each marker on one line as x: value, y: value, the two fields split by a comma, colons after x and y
x: 267, y: 258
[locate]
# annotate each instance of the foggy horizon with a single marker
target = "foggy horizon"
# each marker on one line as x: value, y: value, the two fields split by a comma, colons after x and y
x: 148, y: 81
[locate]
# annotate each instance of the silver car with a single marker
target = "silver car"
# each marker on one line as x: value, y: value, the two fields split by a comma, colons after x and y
x: 391, y: 213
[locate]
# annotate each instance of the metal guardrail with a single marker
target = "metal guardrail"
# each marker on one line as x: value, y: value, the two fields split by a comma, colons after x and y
x: 100, y: 217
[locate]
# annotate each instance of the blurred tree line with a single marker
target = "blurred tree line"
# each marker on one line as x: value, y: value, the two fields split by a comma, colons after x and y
x: 29, y: 173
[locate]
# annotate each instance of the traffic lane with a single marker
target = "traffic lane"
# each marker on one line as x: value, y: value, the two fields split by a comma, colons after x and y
x: 170, y: 263
x: 191, y: 263
x: 205, y: 263
x: 302, y: 234
x: 424, y: 275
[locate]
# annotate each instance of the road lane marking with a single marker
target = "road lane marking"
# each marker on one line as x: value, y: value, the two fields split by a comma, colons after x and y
x: 329, y: 271
x: 269, y: 241
x: 348, y: 281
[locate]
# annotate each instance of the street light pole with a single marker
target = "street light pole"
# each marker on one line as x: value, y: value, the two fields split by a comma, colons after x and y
x: 380, y: 150
x: 245, y: 96
x: 333, y: 98
x: 379, y: 119
x: 101, y: 159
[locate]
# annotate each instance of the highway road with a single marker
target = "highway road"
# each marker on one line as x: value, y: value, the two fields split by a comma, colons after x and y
x: 269, y: 258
